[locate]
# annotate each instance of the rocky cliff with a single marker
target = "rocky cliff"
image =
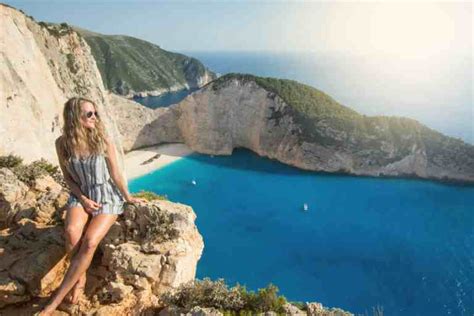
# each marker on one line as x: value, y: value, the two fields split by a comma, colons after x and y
x: 300, y: 126
x: 151, y: 249
x: 133, y: 67
x: 140, y: 126
x: 41, y: 67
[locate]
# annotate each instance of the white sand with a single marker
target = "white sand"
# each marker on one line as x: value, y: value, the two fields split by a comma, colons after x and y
x: 135, y: 165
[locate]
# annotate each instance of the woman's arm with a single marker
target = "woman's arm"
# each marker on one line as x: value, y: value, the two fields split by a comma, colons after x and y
x: 114, y: 170
x: 116, y: 174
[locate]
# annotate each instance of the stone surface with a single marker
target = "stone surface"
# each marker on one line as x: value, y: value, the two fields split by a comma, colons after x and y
x: 11, y: 192
x: 293, y: 310
x: 151, y: 249
x: 140, y: 126
x: 39, y: 71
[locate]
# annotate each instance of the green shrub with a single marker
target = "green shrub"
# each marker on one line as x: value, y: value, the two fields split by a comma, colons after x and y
x: 57, y: 30
x: 10, y: 161
x: 29, y: 172
x: 46, y: 166
x: 234, y: 301
x: 150, y: 196
x: 265, y: 299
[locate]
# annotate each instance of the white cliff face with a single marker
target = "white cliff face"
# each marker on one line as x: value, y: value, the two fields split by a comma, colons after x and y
x: 243, y: 114
x: 236, y: 116
x: 140, y: 126
x: 39, y: 72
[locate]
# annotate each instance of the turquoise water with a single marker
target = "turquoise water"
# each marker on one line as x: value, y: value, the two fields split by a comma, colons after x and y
x: 405, y: 245
x: 165, y: 99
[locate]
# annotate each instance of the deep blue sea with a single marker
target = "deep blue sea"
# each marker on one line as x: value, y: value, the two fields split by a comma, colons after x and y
x: 405, y: 245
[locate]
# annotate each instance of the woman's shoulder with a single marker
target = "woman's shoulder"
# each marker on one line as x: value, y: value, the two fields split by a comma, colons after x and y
x: 59, y: 141
x: 60, y: 144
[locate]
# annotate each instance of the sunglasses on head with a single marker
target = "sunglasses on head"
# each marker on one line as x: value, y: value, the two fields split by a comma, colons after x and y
x: 90, y: 113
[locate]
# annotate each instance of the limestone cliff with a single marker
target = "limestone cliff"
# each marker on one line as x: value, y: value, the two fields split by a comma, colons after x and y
x: 140, y: 126
x: 40, y: 68
x: 300, y: 126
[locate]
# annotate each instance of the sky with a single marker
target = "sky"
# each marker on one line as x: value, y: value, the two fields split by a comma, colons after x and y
x: 383, y: 27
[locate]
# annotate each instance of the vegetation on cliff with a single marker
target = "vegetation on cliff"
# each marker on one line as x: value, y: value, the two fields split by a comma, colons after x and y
x: 127, y: 63
x: 239, y: 301
x: 150, y: 196
x: 29, y: 172
x: 324, y: 121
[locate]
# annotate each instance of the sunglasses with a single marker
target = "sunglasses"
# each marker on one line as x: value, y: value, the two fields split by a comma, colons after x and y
x: 90, y: 113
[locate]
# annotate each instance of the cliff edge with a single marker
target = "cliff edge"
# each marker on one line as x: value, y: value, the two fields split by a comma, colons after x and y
x: 303, y: 127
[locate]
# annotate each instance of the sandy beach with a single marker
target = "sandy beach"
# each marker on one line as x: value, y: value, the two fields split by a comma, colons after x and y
x: 143, y: 161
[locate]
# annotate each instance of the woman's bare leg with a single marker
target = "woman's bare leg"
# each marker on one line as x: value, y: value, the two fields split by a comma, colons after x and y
x: 97, y: 229
x: 76, y: 220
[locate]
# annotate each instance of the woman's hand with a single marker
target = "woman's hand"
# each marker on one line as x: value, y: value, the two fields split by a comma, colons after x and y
x: 89, y: 205
x: 132, y: 199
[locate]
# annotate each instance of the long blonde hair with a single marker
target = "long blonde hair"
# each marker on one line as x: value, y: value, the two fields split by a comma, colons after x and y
x: 76, y: 138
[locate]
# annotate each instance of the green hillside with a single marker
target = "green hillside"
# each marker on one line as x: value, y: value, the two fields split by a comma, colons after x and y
x: 127, y: 63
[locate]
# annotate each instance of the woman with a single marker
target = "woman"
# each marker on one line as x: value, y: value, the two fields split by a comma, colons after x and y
x: 88, y: 161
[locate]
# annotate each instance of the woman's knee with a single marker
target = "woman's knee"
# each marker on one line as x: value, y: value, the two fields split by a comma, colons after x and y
x: 73, y: 233
x: 90, y: 243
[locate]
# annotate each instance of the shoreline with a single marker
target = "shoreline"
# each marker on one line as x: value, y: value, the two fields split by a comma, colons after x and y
x: 145, y: 160
x: 142, y: 161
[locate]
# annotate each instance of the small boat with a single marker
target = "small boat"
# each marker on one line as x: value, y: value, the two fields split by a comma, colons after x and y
x: 305, y: 206
x: 193, y: 182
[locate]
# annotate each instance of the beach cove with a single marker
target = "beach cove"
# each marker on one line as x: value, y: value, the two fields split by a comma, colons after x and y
x: 139, y: 162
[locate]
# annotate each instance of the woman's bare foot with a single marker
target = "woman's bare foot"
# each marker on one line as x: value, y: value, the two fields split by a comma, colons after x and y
x: 77, y: 290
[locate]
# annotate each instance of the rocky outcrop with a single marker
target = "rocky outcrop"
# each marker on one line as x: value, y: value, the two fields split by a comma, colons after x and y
x: 151, y: 249
x: 41, y: 67
x: 140, y: 126
x: 236, y: 111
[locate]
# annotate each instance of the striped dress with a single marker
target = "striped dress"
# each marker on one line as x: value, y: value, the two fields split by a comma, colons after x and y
x: 92, y: 176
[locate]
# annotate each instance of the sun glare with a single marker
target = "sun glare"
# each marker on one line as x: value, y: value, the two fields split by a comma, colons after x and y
x: 409, y: 28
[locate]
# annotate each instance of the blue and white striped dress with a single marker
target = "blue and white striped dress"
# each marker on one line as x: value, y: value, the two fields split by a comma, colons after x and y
x: 92, y: 176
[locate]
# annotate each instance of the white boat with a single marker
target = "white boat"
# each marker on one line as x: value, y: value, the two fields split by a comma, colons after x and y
x: 305, y: 206
x: 193, y: 182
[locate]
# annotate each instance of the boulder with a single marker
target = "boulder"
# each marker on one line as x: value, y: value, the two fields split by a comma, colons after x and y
x: 152, y: 248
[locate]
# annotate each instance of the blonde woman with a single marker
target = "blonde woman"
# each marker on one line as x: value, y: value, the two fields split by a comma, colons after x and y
x: 88, y: 161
